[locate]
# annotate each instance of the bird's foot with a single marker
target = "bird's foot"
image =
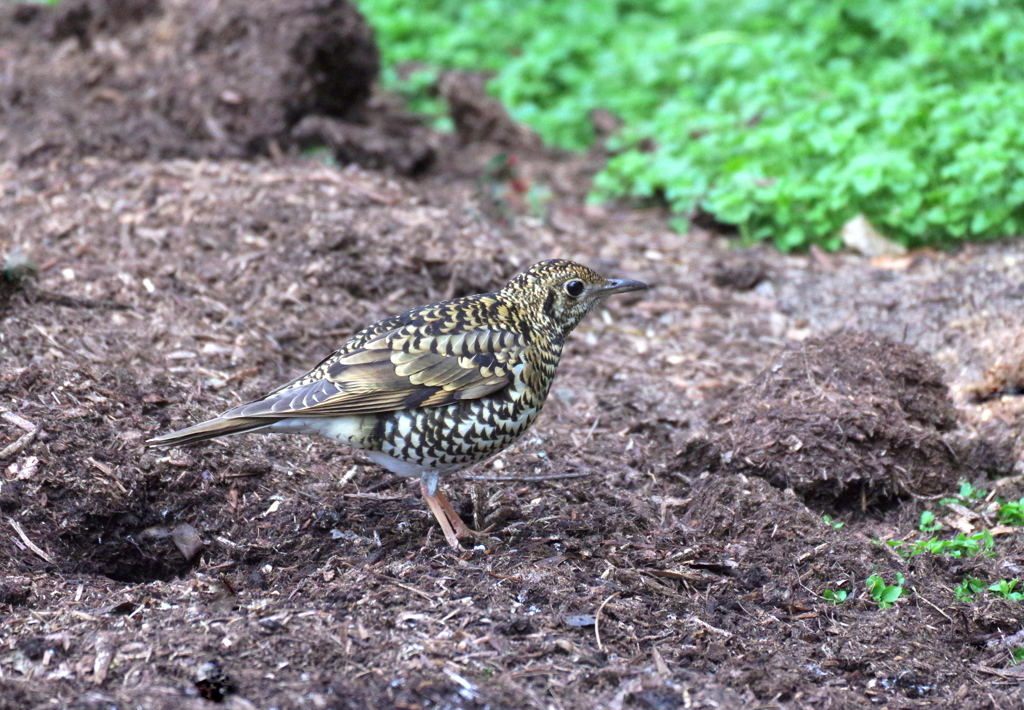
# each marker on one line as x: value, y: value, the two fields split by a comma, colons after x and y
x: 451, y: 524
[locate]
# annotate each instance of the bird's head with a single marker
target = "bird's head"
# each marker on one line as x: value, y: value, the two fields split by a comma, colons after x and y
x: 559, y: 293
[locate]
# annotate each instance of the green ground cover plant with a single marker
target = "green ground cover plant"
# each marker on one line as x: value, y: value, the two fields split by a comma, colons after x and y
x: 835, y: 596
x: 967, y: 492
x: 884, y: 594
x: 835, y: 524
x: 960, y: 546
x: 1012, y: 513
x: 968, y: 588
x: 1005, y: 588
x: 785, y: 118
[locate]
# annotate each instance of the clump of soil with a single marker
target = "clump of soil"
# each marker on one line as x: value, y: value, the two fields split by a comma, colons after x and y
x: 739, y: 270
x: 842, y: 420
x: 383, y: 141
x: 479, y: 117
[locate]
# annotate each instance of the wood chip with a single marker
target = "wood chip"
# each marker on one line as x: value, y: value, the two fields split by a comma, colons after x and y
x: 676, y: 574
x: 713, y: 629
x: 25, y: 469
x: 958, y: 524
x: 963, y: 511
x: 104, y: 657
x: 28, y: 543
x: 104, y: 468
x: 19, y: 421
x: 659, y: 663
x: 17, y: 446
x: 186, y: 538
x: 1014, y: 672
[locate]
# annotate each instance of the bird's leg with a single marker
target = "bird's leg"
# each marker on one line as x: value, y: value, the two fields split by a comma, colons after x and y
x: 450, y: 522
x: 461, y: 529
x: 441, y: 515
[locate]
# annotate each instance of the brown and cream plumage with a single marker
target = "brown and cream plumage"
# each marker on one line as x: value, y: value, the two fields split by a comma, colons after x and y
x: 435, y: 389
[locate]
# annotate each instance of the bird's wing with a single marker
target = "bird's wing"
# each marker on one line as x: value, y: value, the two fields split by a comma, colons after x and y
x: 399, y: 369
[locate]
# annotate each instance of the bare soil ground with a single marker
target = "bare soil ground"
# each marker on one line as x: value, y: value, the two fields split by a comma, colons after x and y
x: 709, y: 424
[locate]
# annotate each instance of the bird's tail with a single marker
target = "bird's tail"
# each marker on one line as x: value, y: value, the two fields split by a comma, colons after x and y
x: 221, y: 426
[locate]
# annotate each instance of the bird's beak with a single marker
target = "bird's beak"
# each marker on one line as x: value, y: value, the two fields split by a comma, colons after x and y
x: 620, y: 286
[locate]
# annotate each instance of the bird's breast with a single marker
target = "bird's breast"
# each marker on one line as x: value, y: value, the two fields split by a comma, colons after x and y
x: 460, y: 433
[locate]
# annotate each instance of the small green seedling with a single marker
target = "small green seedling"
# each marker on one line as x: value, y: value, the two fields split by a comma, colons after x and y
x: 883, y: 593
x: 829, y: 521
x: 836, y: 597
x: 1004, y: 588
x: 968, y: 588
x: 928, y: 522
x: 1018, y: 655
x: 968, y: 492
x: 960, y: 546
x: 1012, y: 513
x: 967, y: 545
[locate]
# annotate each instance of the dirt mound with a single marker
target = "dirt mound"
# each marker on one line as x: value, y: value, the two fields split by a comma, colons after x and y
x: 774, y: 542
x: 183, y: 78
x: 843, y: 420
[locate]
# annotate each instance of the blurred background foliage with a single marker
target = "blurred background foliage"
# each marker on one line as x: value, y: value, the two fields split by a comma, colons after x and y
x: 785, y: 118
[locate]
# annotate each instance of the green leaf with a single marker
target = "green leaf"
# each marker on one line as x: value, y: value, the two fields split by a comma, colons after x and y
x: 928, y: 522
x: 890, y: 594
x: 1012, y: 513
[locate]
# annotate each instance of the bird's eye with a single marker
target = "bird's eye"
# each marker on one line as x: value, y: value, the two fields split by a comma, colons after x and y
x: 574, y: 288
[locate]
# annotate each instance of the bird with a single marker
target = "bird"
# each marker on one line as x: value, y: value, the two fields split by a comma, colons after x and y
x: 438, y: 388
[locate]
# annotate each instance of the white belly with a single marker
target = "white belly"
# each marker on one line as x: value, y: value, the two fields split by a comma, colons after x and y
x: 350, y: 431
x: 410, y: 470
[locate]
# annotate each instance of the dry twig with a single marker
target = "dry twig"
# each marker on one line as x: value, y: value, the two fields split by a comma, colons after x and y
x: 597, y: 620
x: 28, y: 543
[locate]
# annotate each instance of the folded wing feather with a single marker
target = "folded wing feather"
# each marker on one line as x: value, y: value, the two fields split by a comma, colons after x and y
x: 394, y: 371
